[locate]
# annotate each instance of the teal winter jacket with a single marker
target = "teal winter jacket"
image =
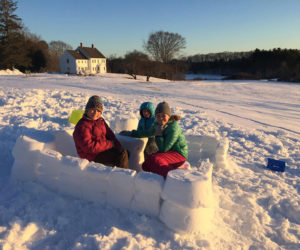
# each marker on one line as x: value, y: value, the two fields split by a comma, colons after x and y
x: 145, y: 124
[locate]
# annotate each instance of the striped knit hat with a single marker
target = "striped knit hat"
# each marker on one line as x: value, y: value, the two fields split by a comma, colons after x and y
x: 94, y: 103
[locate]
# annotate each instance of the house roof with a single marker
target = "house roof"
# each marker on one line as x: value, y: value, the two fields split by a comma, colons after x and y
x: 92, y: 52
x: 76, y: 54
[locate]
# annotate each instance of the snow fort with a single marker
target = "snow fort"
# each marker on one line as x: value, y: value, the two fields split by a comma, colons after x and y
x: 184, y: 202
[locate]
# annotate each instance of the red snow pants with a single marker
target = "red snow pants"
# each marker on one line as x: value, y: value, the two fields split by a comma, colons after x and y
x: 162, y: 163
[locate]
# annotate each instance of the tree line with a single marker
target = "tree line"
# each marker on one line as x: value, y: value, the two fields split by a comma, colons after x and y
x: 281, y: 64
x: 138, y: 63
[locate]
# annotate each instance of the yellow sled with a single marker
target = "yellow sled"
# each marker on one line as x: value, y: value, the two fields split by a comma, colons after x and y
x: 76, y: 116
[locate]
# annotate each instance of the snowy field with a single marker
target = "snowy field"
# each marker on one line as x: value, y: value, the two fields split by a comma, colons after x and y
x: 256, y: 208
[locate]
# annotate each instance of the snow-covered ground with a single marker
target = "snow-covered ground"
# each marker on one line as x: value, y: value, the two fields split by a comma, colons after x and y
x: 257, y: 208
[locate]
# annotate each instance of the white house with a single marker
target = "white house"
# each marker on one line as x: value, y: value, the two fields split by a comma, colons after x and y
x: 83, y: 60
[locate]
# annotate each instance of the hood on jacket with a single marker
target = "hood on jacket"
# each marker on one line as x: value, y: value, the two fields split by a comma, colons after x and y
x: 149, y: 106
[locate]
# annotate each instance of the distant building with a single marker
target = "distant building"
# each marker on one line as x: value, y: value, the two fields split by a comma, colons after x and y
x: 83, y: 60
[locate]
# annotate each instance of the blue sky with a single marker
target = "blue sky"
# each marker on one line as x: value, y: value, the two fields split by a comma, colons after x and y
x: 120, y: 26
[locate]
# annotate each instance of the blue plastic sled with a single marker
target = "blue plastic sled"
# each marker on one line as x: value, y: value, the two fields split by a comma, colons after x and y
x: 276, y: 165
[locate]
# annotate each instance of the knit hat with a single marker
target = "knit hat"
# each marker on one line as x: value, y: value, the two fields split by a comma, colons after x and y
x: 164, y: 108
x: 94, y: 103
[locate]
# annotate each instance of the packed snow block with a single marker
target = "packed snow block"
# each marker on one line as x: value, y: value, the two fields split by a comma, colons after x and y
x: 95, y: 182
x: 201, y: 147
x: 121, y: 187
x: 148, y: 188
x: 136, y: 147
x: 70, y: 174
x: 26, y: 154
x: 120, y: 124
x: 190, y: 189
x: 61, y: 174
x: 221, y: 153
x: 49, y: 167
x: 184, y: 220
x: 208, y: 147
x: 64, y: 142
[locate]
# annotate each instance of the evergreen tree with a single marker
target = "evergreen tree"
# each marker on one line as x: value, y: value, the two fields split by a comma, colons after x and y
x: 12, y: 51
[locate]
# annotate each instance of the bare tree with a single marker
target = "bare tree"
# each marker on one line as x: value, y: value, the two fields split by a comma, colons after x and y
x: 59, y: 47
x: 164, y: 46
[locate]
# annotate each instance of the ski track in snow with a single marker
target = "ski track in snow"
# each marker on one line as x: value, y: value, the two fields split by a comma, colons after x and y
x: 256, y: 208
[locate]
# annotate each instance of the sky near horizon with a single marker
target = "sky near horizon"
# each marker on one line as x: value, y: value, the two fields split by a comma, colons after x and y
x: 118, y: 26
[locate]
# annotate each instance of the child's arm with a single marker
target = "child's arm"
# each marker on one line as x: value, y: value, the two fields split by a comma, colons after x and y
x: 111, y: 136
x: 143, y: 131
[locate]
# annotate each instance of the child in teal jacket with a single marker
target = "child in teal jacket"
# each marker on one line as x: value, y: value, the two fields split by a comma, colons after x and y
x: 144, y: 126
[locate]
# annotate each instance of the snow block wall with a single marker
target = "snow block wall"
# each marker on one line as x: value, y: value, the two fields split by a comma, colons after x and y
x: 184, y: 202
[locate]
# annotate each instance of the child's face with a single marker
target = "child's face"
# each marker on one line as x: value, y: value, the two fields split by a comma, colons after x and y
x: 162, y: 118
x: 94, y: 114
x: 146, y: 113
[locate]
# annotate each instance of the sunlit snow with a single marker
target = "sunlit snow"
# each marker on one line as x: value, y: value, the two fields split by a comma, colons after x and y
x: 255, y: 207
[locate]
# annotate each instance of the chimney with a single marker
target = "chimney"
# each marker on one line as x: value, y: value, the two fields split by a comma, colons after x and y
x: 92, y: 46
x: 80, y: 45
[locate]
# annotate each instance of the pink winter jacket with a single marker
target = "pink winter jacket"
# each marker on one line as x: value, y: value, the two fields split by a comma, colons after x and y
x: 92, y: 137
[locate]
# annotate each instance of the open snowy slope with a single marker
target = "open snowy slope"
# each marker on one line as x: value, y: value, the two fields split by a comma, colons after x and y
x: 256, y: 208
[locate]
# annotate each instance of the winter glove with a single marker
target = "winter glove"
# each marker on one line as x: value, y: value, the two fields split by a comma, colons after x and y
x: 159, y: 129
x: 125, y: 133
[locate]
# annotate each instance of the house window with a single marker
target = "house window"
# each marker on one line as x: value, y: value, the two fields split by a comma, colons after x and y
x: 103, y: 60
x: 68, y: 60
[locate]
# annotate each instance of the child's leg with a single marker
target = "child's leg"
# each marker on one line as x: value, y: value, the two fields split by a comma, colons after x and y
x: 113, y: 157
x: 162, y: 163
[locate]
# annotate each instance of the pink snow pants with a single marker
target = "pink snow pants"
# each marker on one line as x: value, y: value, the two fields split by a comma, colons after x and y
x: 162, y: 163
